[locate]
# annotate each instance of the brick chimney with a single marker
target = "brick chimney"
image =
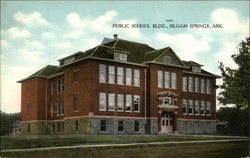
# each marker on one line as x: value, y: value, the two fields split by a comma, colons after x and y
x: 115, y: 36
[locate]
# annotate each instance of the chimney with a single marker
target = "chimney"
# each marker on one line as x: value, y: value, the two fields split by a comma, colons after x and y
x: 115, y: 36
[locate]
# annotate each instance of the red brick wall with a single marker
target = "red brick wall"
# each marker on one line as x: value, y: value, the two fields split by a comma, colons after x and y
x: 152, y: 88
x: 115, y: 88
x: 33, y: 93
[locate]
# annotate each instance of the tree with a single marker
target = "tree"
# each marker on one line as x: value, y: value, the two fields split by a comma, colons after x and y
x: 236, y: 82
x: 6, y: 122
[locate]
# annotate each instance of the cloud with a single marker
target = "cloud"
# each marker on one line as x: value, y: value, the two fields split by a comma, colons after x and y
x: 133, y: 33
x: 64, y: 45
x: 15, y: 32
x: 73, y: 34
x: 101, y: 24
x: 30, y: 55
x: 47, y: 35
x: 93, y: 42
x: 33, y: 19
x: 233, y: 24
x: 187, y: 45
x: 4, y: 43
x: 37, y: 45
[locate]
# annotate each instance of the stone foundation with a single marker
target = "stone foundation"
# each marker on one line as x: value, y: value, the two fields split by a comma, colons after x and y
x: 196, y: 126
x: 112, y: 126
x: 33, y: 128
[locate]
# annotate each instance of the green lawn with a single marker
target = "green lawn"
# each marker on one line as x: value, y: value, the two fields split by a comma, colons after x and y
x: 26, y: 142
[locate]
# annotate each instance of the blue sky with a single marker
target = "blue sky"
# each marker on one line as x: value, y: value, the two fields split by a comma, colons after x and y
x: 35, y: 34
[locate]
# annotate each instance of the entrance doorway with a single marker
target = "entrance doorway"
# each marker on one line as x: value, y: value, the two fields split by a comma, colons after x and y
x: 166, y: 122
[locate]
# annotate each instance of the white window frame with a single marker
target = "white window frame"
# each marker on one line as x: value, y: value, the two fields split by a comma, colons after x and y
x: 120, y: 76
x: 120, y: 56
x: 102, y: 96
x: 190, y: 106
x: 208, y: 86
x: 196, y: 107
x: 184, y: 104
x: 137, y: 77
x: 208, y: 108
x: 167, y: 79
x: 102, y: 73
x: 137, y: 101
x: 184, y: 84
x: 203, y: 107
x: 202, y: 86
x: 128, y: 76
x: 129, y: 102
x: 190, y: 84
x: 111, y: 75
x: 173, y: 80
x: 160, y: 79
x: 60, y: 85
x: 120, y: 102
x: 196, y: 85
x: 111, y: 105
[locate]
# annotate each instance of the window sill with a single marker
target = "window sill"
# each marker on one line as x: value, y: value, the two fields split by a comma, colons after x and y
x: 102, y: 110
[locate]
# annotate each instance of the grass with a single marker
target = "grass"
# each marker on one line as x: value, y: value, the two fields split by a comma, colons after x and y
x: 26, y: 142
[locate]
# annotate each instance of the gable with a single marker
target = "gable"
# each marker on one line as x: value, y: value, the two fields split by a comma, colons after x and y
x: 169, y: 58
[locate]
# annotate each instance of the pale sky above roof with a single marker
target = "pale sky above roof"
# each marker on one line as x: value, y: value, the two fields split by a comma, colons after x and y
x: 36, y: 34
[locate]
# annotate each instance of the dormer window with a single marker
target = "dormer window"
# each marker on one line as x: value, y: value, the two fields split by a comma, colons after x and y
x: 69, y: 60
x: 120, y: 56
x: 196, y: 69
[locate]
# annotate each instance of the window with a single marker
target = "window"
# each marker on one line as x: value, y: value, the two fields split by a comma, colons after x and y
x: 62, y: 125
x: 196, y: 85
x: 190, y: 107
x: 120, y: 56
x: 196, y: 69
x: 137, y: 126
x: 184, y: 106
x: 184, y: 83
x: 120, y: 75
x: 120, y: 102
x: 202, y: 107
x: 160, y: 79
x: 128, y: 76
x: 29, y: 111
x: 111, y: 101
x: 190, y: 85
x: 208, y: 108
x: 53, y: 127
x: 51, y: 88
x: 102, y: 73
x: 58, y: 126
x: 69, y: 60
x: 167, y: 59
x: 59, y: 108
x: 76, y: 102
x: 60, y: 85
x: 196, y: 107
x: 103, y: 125
x: 76, y: 76
x: 111, y: 74
x: 136, y: 103
x: 102, y: 101
x: 167, y: 101
x: 120, y: 125
x: 28, y: 127
x: 208, y: 87
x: 77, y: 125
x: 202, y: 86
x: 137, y: 78
x: 128, y: 102
x: 173, y: 75
x: 167, y: 79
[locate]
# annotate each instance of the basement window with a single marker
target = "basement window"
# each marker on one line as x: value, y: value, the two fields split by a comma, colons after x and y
x: 103, y: 125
